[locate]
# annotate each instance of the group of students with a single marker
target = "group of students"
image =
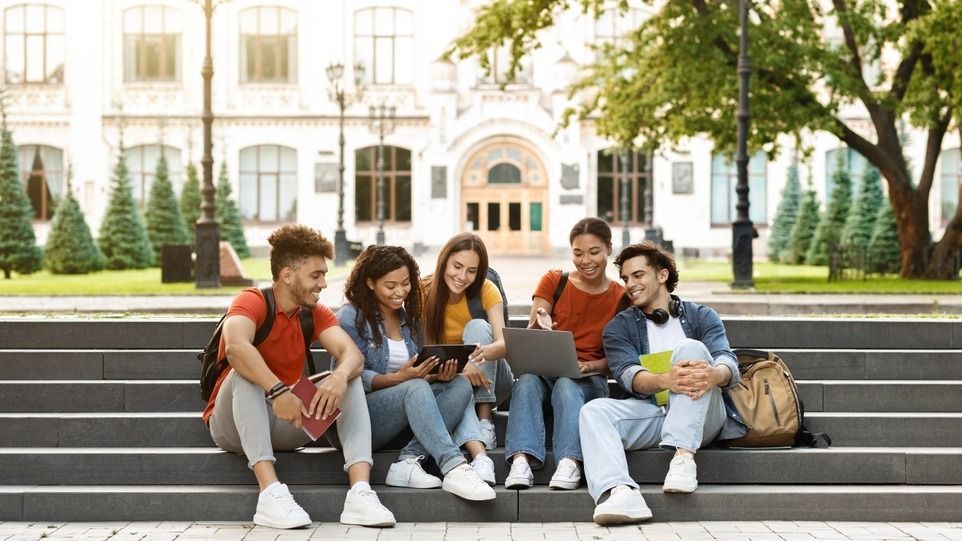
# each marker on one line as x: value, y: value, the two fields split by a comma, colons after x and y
x: 383, y: 391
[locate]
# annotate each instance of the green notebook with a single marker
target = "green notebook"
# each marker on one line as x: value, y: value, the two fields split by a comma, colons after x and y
x: 658, y: 363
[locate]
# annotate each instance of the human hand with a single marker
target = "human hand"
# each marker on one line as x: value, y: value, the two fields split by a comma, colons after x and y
x: 542, y: 320
x: 449, y: 369
x: 692, y: 378
x: 328, y: 396
x: 288, y: 407
x: 411, y: 371
x: 474, y: 375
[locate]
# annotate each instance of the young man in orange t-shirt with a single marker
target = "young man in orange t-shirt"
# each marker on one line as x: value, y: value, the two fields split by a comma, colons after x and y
x: 252, y: 410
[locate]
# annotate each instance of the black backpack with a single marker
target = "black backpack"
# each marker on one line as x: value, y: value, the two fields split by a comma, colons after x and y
x: 211, y: 367
x: 474, y: 303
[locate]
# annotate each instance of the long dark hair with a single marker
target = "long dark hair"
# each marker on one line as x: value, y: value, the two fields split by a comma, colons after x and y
x: 438, y: 292
x: 373, y: 263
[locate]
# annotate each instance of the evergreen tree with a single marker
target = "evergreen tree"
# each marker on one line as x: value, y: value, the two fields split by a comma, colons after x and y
x: 828, y: 235
x: 165, y: 225
x: 804, y: 229
x: 785, y: 217
x: 123, y: 239
x: 231, y: 226
x: 861, y: 219
x: 190, y: 202
x: 70, y: 246
x: 18, y: 244
x: 883, y: 246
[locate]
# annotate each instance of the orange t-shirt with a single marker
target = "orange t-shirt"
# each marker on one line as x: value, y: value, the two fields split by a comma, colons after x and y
x: 583, y: 314
x: 283, y: 349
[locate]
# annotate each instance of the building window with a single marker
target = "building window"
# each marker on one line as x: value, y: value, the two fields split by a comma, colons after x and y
x: 41, y: 168
x: 504, y: 173
x: 397, y: 184
x: 724, y: 179
x: 142, y: 164
x: 152, y: 44
x: 499, y: 59
x: 614, y: 26
x: 610, y: 175
x: 268, y: 183
x: 384, y: 45
x: 849, y: 160
x: 268, y: 49
x: 951, y: 182
x: 33, y: 49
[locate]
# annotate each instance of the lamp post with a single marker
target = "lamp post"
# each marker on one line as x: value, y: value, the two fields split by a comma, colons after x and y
x: 742, y: 229
x: 381, y: 123
x: 208, y: 233
x: 337, y: 94
x: 625, y: 201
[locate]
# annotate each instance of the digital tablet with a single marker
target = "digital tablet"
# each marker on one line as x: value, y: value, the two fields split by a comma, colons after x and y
x: 446, y: 352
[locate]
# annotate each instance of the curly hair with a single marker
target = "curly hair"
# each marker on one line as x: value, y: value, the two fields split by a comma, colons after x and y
x: 292, y: 244
x: 438, y: 292
x: 656, y: 256
x: 372, y: 264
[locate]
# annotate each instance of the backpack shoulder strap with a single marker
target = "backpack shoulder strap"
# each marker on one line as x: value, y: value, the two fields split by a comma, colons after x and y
x: 562, y: 282
x: 265, y: 329
x: 307, y: 329
x: 475, y: 307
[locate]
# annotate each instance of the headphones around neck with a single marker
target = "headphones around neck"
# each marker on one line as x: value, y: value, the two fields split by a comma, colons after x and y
x: 660, y: 316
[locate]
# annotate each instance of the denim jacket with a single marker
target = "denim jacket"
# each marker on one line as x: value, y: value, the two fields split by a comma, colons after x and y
x: 375, y: 355
x: 626, y: 337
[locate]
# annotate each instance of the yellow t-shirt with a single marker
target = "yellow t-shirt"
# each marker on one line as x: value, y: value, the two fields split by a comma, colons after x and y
x: 457, y: 316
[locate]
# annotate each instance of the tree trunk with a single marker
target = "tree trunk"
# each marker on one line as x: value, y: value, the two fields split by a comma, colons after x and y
x: 947, y: 253
x: 6, y: 273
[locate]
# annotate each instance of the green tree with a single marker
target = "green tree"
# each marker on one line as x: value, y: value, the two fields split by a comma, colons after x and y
x: 123, y: 238
x: 883, y: 246
x: 18, y: 243
x: 861, y: 219
x: 675, y: 77
x: 70, y: 246
x: 190, y: 202
x: 231, y: 225
x: 785, y: 217
x: 828, y: 235
x: 165, y: 225
x: 804, y: 229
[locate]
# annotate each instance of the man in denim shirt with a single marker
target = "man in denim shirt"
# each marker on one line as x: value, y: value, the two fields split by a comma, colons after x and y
x: 702, y: 365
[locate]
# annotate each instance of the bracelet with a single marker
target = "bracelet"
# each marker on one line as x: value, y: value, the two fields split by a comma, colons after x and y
x: 276, y: 390
x: 278, y: 393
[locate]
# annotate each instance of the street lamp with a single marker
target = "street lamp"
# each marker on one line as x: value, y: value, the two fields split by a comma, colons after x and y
x: 742, y: 229
x: 381, y: 123
x: 625, y: 201
x: 208, y: 233
x: 337, y: 93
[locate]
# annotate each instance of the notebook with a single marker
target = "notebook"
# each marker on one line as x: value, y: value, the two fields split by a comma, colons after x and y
x: 657, y: 363
x: 542, y: 352
x: 305, y: 389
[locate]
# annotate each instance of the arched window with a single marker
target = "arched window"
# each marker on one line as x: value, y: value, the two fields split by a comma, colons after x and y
x: 504, y: 173
x: 41, y: 168
x: 610, y: 187
x: 397, y: 184
x: 142, y: 165
x: 849, y: 160
x: 950, y: 174
x: 268, y: 183
x: 152, y: 36
x: 724, y: 179
x: 33, y: 47
x: 384, y: 45
x: 268, y: 48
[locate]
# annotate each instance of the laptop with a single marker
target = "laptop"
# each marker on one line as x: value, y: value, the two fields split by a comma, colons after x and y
x: 541, y: 352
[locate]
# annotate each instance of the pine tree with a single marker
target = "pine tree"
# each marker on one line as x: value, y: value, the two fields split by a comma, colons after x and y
x: 861, y: 219
x: 190, y: 202
x: 18, y: 243
x: 165, y: 225
x: 231, y: 227
x: 829, y: 232
x: 883, y: 246
x: 70, y: 246
x: 804, y: 229
x: 785, y: 217
x: 123, y: 239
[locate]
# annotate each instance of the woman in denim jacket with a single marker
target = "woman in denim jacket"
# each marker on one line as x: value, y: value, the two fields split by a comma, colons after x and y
x: 382, y: 317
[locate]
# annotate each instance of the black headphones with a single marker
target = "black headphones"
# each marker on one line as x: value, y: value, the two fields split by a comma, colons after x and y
x: 660, y: 317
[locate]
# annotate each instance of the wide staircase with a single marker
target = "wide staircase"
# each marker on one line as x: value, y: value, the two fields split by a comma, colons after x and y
x: 99, y: 420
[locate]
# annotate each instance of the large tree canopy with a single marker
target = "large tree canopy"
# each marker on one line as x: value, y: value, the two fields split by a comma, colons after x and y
x: 675, y: 77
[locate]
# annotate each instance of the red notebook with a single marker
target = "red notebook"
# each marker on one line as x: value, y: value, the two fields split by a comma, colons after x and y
x: 305, y: 389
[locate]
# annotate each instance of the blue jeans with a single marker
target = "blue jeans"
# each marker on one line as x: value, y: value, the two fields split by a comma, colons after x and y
x: 432, y: 410
x: 530, y: 397
x: 609, y: 427
x: 478, y: 331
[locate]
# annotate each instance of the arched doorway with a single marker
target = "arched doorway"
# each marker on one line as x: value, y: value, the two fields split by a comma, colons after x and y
x: 504, y: 197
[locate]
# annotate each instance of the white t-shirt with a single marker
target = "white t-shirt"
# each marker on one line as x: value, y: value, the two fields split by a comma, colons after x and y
x: 664, y: 337
x: 397, y: 355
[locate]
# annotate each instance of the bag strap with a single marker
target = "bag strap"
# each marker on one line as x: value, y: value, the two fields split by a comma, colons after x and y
x: 307, y: 329
x: 265, y: 329
x: 562, y: 282
x: 475, y: 308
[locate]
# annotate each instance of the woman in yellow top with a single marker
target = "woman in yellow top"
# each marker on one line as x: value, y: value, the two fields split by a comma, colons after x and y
x: 461, y: 273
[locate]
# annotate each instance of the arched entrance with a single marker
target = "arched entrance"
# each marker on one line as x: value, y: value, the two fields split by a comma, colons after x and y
x: 504, y: 197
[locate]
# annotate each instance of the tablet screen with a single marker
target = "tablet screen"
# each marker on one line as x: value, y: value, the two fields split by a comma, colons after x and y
x: 445, y: 352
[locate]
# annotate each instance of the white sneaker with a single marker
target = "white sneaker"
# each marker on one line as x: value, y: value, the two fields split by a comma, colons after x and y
x: 484, y: 467
x: 488, y: 435
x: 463, y: 481
x: 363, y: 508
x: 520, y: 476
x: 276, y: 508
x: 567, y: 476
x: 625, y: 505
x: 408, y: 473
x: 682, y: 475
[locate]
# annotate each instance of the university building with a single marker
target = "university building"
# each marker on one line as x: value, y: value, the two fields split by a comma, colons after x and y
x: 463, y: 150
